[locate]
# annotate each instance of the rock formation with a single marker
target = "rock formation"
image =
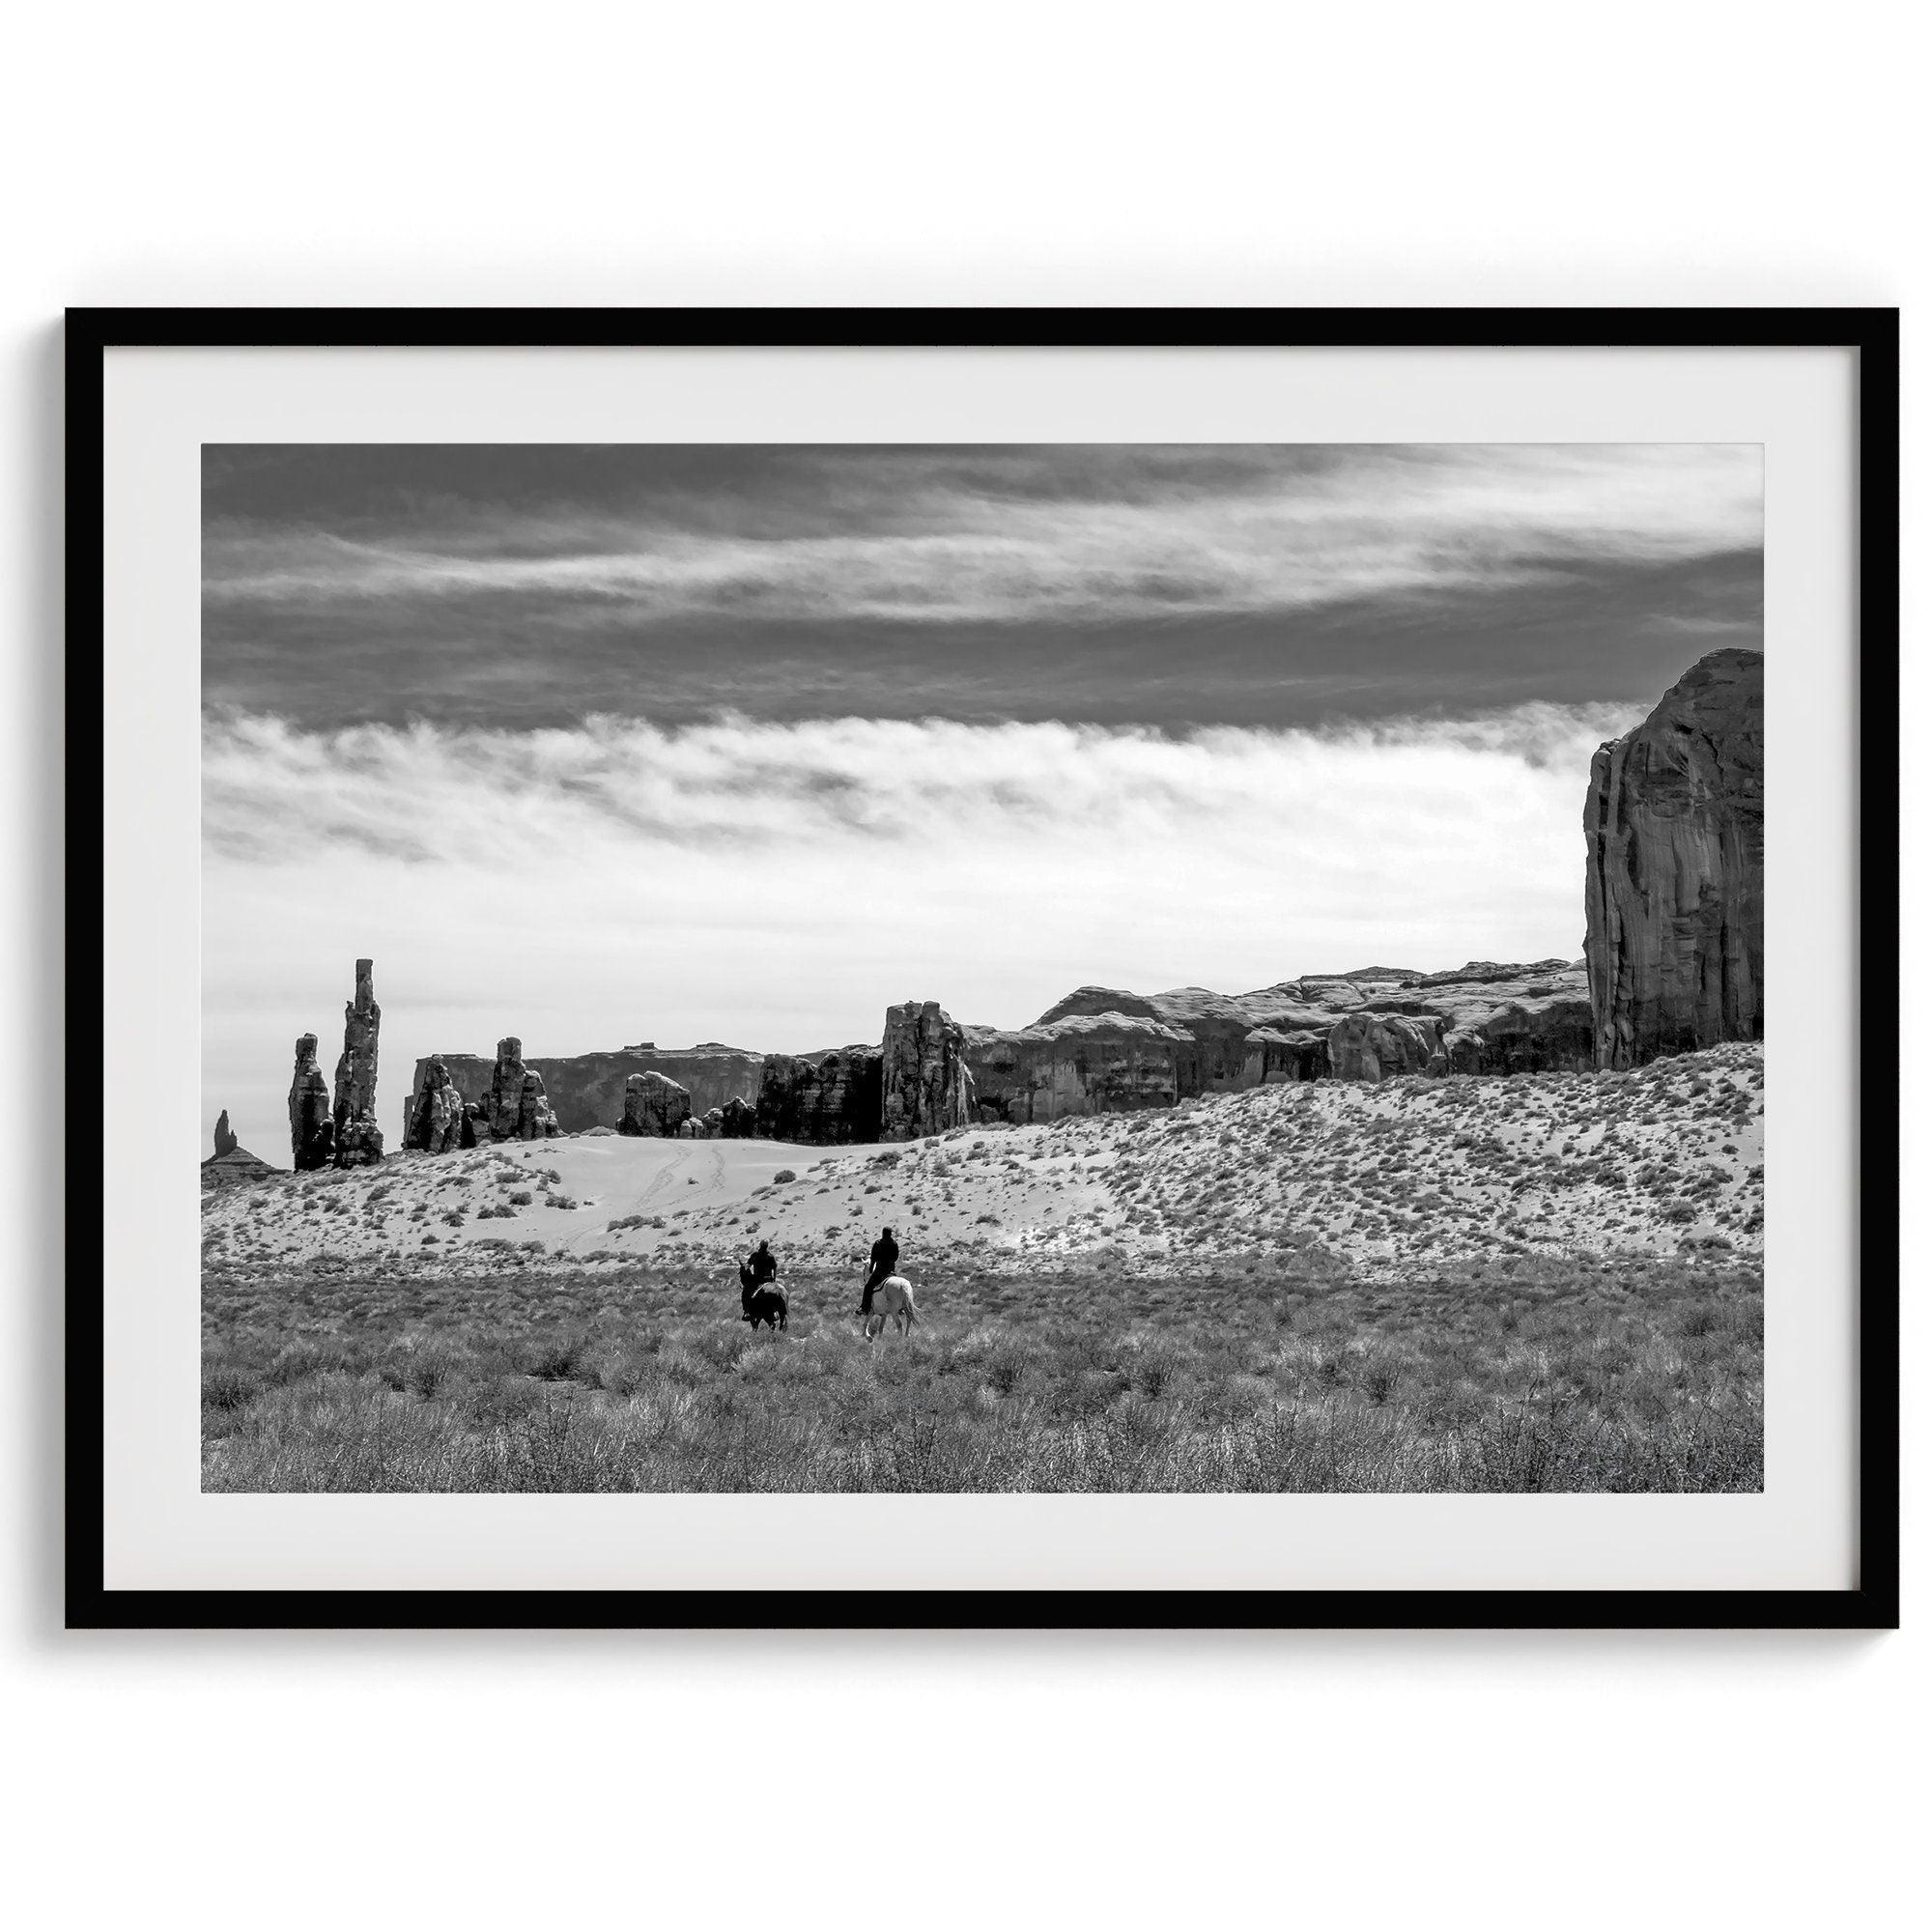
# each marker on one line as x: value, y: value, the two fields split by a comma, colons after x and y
x: 501, y: 1100
x: 654, y: 1107
x: 231, y: 1164
x: 1101, y: 1050
x: 359, y: 1140
x: 436, y: 1114
x: 1379, y: 1046
x: 925, y: 1087
x: 1547, y: 1034
x: 237, y: 1168
x: 535, y: 1119
x: 587, y: 1089
x: 1674, y: 877
x: 824, y: 1099
x: 311, y: 1128
x: 514, y: 1106
x: 1082, y: 1064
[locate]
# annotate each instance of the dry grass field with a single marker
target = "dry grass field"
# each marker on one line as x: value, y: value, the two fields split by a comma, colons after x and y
x: 1548, y: 1282
x: 1528, y: 1374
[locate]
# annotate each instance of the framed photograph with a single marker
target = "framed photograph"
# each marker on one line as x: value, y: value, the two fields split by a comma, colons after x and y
x: 995, y: 968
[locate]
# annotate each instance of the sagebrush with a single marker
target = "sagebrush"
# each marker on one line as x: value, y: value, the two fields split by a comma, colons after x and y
x: 1531, y: 1375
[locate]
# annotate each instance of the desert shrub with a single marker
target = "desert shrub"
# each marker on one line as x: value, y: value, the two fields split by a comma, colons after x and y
x: 302, y: 1359
x: 226, y: 1386
x: 1379, y: 1378
x: 555, y: 1356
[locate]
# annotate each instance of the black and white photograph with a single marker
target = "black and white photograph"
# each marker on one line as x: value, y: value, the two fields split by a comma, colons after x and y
x: 959, y: 974
x: 1018, y: 967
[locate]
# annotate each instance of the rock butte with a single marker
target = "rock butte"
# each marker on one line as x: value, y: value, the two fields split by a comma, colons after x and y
x: 1103, y: 1051
x: 231, y: 1164
x: 654, y: 1105
x: 924, y: 1086
x: 827, y: 1099
x: 1674, y: 877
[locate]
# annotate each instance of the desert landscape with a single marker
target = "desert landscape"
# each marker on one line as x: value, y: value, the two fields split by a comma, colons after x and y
x: 1494, y: 1227
x: 1552, y: 1282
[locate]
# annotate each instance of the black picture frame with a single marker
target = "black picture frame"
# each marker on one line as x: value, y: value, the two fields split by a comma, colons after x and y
x: 1872, y: 333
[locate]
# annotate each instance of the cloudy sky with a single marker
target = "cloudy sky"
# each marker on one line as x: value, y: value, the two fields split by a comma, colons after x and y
x: 600, y: 744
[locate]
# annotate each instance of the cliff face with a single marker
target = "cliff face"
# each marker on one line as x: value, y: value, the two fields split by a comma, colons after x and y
x: 1102, y: 1051
x: 1382, y: 1046
x: 586, y: 1090
x: 825, y: 1099
x: 1674, y: 877
x: 925, y: 1087
x: 1083, y: 1064
x: 1098, y: 1051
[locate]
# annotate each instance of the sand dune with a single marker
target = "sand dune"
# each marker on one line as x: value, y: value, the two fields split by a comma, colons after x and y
x: 1381, y: 1178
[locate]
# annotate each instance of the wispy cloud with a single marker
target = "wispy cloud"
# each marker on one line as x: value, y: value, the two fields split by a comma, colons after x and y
x: 426, y: 795
x: 1079, y: 536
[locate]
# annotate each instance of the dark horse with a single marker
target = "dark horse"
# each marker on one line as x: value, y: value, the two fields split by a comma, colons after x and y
x: 766, y: 1305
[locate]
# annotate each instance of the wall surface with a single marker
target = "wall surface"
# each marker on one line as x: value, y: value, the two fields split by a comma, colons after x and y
x: 1405, y: 154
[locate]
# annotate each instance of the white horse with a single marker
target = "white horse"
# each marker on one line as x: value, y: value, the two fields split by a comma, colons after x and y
x: 892, y: 1297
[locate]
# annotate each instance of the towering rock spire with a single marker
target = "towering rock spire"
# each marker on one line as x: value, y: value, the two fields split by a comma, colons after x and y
x: 225, y: 1136
x: 504, y: 1095
x: 311, y: 1131
x: 359, y: 1140
x: 1674, y: 877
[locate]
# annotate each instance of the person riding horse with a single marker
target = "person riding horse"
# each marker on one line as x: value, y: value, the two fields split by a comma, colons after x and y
x: 885, y: 1262
x: 760, y: 1294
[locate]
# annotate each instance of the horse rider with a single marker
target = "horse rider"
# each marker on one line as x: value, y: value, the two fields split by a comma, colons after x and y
x: 763, y: 1264
x: 885, y: 1262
